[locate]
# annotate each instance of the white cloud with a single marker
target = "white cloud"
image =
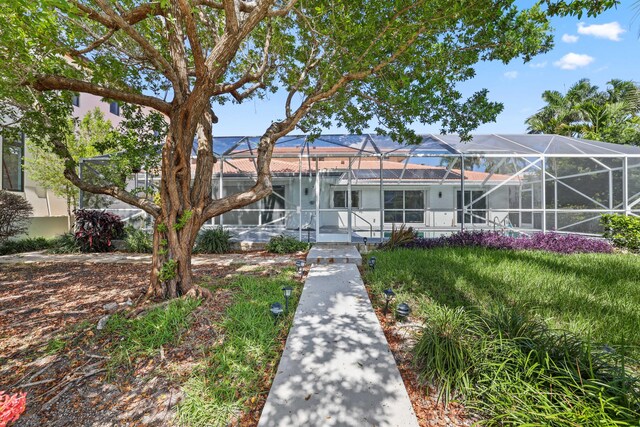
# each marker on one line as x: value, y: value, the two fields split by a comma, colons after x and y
x: 567, y: 38
x: 511, y: 74
x: 571, y: 61
x: 538, y: 64
x: 610, y: 31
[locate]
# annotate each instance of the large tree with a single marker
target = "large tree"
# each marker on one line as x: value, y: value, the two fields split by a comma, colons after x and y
x: 338, y: 61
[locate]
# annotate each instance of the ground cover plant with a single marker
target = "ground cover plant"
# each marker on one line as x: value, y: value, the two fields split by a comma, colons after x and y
x: 523, y: 336
x: 28, y: 244
x: 145, y: 335
x: 551, y: 242
x: 238, y: 372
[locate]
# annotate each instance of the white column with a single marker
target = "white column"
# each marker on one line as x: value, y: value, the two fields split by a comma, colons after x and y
x: 381, y: 202
x: 544, y: 194
x: 625, y: 185
x: 349, y: 207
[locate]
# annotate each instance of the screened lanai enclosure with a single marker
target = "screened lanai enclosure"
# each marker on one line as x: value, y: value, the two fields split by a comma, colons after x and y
x: 344, y: 188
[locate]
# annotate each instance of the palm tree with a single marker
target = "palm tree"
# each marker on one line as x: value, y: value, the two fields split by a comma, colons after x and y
x: 585, y: 111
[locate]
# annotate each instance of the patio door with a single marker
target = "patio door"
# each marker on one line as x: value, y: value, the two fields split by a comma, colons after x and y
x: 333, y: 223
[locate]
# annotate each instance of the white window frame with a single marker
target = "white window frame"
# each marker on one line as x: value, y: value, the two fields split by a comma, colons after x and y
x: 404, y: 207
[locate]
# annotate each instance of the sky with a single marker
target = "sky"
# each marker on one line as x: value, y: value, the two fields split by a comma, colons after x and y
x: 602, y: 48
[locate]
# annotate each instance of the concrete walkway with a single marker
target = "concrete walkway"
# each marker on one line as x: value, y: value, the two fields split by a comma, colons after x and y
x: 337, y: 369
x: 129, y: 258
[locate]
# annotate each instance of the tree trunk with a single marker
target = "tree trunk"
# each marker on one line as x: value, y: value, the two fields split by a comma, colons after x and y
x: 171, y: 265
x: 183, y: 204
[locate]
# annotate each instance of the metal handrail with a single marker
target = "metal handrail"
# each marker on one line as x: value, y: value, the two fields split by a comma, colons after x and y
x: 364, y: 219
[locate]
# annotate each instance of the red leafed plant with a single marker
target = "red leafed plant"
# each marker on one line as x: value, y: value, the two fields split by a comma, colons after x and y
x: 94, y: 230
x: 11, y: 407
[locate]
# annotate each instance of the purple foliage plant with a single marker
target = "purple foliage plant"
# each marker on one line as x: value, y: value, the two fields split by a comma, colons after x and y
x: 550, y: 242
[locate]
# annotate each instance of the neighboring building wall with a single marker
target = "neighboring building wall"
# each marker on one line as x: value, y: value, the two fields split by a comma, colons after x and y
x: 50, y: 211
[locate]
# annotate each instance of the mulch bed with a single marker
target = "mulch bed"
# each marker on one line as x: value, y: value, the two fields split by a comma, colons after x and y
x: 42, y: 302
x: 429, y: 411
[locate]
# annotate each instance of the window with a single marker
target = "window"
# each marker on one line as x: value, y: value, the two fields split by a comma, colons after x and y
x: 75, y: 99
x: 403, y: 206
x: 476, y: 213
x: 340, y: 199
x: 114, y: 108
x: 12, y: 173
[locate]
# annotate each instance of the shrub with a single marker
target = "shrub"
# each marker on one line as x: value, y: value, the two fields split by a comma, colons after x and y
x: 137, y: 240
x: 65, y: 244
x: 11, y: 407
x: 399, y: 237
x: 213, y: 241
x: 15, y: 211
x: 94, y: 229
x: 550, y: 242
x: 622, y: 230
x: 286, y: 245
x: 24, y: 245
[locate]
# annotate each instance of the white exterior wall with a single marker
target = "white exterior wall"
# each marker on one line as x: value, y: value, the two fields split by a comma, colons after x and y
x: 50, y: 211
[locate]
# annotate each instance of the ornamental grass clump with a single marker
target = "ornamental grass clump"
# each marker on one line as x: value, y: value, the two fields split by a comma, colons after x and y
x: 514, y: 370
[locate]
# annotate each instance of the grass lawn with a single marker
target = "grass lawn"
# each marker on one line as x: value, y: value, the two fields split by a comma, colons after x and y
x: 595, y: 296
x: 230, y: 380
x: 523, y: 337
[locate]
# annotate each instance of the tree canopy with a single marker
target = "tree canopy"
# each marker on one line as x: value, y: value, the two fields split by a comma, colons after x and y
x: 585, y: 111
x: 343, y: 62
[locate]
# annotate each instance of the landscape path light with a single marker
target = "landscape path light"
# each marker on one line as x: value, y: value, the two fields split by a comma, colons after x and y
x: 372, y: 262
x: 403, y: 310
x: 300, y: 267
x: 276, y: 311
x: 388, y: 294
x: 287, y: 290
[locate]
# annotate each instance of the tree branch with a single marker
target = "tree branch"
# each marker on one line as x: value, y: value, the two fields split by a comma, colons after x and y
x: 194, y: 40
x: 52, y: 82
x: 248, y: 76
x: 284, y: 10
x: 159, y: 61
x: 94, y: 45
x: 230, y: 16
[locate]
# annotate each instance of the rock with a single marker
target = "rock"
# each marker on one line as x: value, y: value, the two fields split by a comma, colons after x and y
x: 128, y: 302
x: 103, y: 322
x: 111, y: 307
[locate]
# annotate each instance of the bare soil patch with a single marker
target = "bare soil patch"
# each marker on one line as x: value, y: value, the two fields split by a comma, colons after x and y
x: 50, y: 348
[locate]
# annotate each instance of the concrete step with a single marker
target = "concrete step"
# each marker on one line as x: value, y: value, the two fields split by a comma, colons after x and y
x: 334, y: 254
x: 337, y: 369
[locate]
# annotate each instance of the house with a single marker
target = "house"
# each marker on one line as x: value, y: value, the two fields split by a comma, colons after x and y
x: 344, y: 188
x: 50, y: 216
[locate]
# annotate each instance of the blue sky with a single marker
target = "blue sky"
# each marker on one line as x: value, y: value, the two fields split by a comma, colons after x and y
x: 600, y: 49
